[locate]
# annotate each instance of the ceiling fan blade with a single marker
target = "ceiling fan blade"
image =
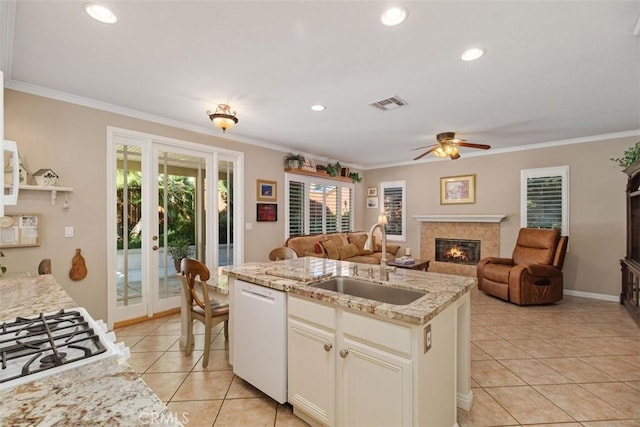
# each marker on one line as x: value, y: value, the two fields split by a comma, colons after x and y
x: 472, y: 145
x: 420, y: 148
x: 425, y: 153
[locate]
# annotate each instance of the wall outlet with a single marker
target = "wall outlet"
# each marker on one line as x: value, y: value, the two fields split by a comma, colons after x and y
x: 427, y: 338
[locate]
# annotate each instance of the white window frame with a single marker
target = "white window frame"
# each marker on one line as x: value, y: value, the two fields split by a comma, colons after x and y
x: 308, y: 180
x: 402, y: 237
x: 563, y: 172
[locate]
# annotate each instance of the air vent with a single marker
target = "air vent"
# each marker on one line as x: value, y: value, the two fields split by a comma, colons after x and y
x: 391, y: 103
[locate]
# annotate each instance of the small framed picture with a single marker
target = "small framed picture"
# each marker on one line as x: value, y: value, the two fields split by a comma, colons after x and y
x: 267, y: 212
x: 266, y: 191
x: 458, y: 189
x: 372, y: 202
x: 372, y: 192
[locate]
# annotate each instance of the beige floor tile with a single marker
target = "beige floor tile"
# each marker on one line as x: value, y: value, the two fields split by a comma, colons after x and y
x: 478, y: 354
x: 220, y: 343
x: 577, y: 370
x: 511, y: 332
x: 490, y: 373
x: 218, y: 361
x: 196, y: 413
x: 581, y: 404
x: 205, y: 385
x: 619, y: 395
x: 254, y: 412
x: 577, y: 347
x: 175, y: 361
x: 555, y: 425
x: 285, y: 418
x: 528, y: 406
x: 241, y: 389
x: 165, y: 384
x: 634, y: 384
x: 479, y: 332
x: 139, y: 329
x: 129, y: 340
x: 631, y: 360
x: 611, y: 423
x: 538, y: 348
x: 140, y: 362
x: 167, y: 328
x: 613, y: 366
x: 486, y: 412
x: 501, y: 349
x: 532, y: 371
x: 155, y: 343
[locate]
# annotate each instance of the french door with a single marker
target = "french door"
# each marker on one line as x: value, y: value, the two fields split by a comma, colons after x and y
x: 170, y: 199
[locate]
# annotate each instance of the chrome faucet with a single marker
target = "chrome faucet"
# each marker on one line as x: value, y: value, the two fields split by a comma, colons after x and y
x: 382, y: 225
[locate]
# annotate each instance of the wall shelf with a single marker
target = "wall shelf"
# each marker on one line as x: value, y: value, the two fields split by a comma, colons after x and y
x: 53, y: 189
x: 318, y: 174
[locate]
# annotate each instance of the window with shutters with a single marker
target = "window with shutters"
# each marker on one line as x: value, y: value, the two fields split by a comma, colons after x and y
x: 544, y: 198
x: 394, y: 201
x: 317, y: 205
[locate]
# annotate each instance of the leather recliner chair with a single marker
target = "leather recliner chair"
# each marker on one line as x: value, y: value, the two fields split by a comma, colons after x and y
x: 534, y: 273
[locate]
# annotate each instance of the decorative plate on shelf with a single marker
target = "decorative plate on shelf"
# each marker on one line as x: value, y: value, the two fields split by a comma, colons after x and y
x: 6, y: 221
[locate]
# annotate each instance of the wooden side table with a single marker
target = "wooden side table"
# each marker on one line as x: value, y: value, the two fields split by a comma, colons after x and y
x: 420, y: 264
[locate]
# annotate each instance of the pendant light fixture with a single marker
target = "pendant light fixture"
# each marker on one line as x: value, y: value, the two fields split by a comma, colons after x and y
x: 223, y: 117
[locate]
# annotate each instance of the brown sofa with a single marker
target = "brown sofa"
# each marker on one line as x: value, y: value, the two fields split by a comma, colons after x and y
x: 341, y: 246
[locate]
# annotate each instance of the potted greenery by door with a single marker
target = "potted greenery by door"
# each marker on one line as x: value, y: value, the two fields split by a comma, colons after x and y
x: 178, y: 249
x: 293, y: 161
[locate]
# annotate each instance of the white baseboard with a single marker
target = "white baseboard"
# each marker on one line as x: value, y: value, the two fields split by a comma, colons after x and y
x: 604, y: 297
x: 465, y: 400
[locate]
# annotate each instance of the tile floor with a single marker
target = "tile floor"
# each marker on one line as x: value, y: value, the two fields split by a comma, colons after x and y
x: 576, y: 363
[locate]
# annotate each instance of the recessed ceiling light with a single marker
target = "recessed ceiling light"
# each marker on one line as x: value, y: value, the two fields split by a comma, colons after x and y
x: 100, y: 13
x: 472, y: 54
x: 394, y: 16
x: 318, y: 107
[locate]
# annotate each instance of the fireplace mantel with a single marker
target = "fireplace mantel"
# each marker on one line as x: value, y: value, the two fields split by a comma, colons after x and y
x: 459, y: 218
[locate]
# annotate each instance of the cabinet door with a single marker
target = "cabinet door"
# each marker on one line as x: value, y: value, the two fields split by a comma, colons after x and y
x: 377, y: 386
x: 311, y: 368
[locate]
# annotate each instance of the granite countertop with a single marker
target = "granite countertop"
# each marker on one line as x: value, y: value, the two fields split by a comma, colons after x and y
x: 105, y: 392
x: 295, y: 276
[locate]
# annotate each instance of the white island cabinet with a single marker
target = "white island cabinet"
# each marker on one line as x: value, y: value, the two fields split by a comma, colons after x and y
x: 349, y: 369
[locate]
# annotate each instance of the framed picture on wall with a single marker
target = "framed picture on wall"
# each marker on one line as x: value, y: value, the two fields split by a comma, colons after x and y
x: 458, y: 189
x: 372, y: 202
x: 266, y: 191
x: 372, y: 192
x: 267, y: 212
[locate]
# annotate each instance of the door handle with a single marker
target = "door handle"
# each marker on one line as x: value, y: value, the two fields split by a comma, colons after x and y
x: 154, y: 238
x: 328, y: 347
x: 343, y: 353
x: 155, y: 247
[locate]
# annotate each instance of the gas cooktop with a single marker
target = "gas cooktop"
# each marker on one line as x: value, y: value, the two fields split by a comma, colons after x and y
x: 37, y: 346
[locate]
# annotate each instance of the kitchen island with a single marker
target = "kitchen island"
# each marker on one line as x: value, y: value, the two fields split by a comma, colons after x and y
x: 353, y: 360
x: 104, y: 392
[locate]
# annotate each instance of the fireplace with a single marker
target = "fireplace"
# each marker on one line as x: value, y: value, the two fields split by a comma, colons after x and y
x: 459, y: 251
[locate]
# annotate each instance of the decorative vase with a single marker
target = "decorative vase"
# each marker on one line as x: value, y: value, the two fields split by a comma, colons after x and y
x: 78, y: 267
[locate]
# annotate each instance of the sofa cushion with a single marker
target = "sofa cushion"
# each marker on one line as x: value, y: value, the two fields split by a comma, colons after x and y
x: 330, y: 249
x: 348, y: 251
x: 359, y: 240
x: 315, y: 254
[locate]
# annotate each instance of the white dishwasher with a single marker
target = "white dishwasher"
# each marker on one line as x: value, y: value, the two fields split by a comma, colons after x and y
x: 260, y: 338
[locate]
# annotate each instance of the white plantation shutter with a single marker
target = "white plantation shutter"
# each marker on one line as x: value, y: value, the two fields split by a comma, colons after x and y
x: 394, y: 205
x: 545, y: 198
x: 317, y: 205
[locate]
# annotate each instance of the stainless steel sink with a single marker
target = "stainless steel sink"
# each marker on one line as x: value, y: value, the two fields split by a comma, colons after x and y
x: 363, y: 289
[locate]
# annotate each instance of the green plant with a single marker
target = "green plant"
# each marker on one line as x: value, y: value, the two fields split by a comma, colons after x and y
x: 290, y: 160
x: 333, y: 169
x: 179, y: 248
x: 630, y: 156
x: 355, y: 177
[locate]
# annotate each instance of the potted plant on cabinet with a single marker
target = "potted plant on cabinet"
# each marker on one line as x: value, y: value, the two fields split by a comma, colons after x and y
x: 629, y: 157
x: 293, y: 161
x: 179, y: 249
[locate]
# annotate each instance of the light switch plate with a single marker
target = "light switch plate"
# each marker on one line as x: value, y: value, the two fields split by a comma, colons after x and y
x: 68, y: 232
x: 427, y: 338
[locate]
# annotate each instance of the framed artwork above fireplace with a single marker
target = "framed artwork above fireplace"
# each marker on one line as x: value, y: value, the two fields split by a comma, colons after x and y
x: 456, y: 190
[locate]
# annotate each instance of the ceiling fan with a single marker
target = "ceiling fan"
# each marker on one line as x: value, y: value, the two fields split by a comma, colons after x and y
x: 447, y: 146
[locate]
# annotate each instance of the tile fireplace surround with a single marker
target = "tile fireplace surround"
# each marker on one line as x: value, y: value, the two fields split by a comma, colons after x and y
x: 485, y: 228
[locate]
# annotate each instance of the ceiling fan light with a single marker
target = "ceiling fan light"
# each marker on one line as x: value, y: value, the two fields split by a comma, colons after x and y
x: 439, y: 152
x: 223, y: 117
x: 450, y: 149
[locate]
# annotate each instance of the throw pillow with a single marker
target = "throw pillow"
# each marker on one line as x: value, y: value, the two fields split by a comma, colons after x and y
x: 330, y: 249
x: 359, y: 241
x: 348, y: 251
x: 317, y: 247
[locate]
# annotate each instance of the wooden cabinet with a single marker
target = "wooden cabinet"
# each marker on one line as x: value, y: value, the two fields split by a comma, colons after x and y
x: 349, y: 369
x: 630, y: 292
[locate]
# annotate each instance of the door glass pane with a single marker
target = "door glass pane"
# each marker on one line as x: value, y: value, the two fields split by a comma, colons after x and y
x: 180, y: 184
x: 129, y: 225
x: 225, y: 213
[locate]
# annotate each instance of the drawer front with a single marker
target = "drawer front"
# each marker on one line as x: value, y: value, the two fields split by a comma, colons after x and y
x: 312, y: 311
x: 389, y: 335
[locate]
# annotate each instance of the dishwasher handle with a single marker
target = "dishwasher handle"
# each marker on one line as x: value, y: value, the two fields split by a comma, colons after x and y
x: 257, y: 294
